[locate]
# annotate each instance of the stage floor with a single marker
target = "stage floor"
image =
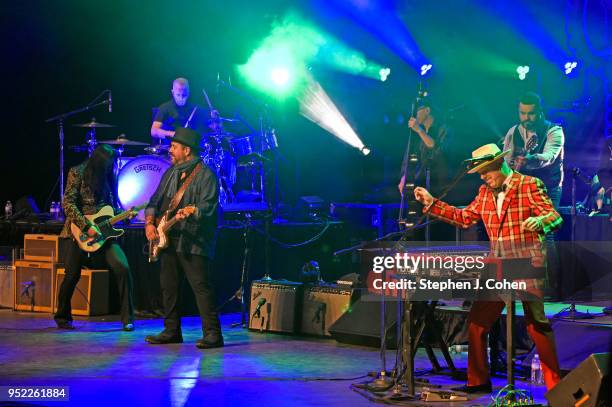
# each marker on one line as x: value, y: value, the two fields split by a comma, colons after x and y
x: 102, y: 365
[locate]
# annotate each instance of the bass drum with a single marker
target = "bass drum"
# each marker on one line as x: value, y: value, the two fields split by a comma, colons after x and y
x: 138, y: 179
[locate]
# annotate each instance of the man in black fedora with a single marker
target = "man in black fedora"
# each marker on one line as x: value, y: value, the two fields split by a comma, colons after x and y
x: 189, y: 191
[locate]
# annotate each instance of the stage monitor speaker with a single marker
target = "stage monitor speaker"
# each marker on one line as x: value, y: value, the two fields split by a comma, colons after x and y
x: 588, y: 385
x: 49, y: 248
x: 275, y: 306
x: 322, y: 306
x: 91, y: 294
x: 34, y: 285
x: 361, y: 324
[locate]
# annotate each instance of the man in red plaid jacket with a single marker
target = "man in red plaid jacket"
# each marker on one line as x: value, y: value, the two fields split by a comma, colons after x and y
x: 517, y: 214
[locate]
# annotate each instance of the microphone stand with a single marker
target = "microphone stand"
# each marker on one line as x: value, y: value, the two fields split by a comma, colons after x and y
x: 407, y: 344
x: 420, y: 95
x: 60, y: 123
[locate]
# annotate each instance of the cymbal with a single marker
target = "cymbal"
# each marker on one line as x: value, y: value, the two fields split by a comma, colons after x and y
x: 122, y: 141
x: 93, y: 124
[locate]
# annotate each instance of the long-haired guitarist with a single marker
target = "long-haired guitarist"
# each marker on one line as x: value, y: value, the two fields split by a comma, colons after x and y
x: 536, y: 146
x: 188, y: 192
x: 89, y: 189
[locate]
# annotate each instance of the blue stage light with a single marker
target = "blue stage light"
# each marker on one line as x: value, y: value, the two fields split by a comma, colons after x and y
x: 522, y: 71
x: 570, y: 66
x: 425, y: 68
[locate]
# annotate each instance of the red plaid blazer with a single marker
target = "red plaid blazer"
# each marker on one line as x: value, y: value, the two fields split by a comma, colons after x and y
x: 525, y: 197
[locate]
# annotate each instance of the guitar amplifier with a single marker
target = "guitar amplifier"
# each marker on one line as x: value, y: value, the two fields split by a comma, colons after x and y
x: 275, y: 306
x: 34, y: 285
x: 323, y: 305
x: 49, y: 248
x: 91, y: 294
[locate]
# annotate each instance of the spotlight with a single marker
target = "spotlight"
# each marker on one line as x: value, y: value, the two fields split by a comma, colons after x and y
x: 317, y: 107
x: 384, y: 72
x: 425, y: 68
x: 522, y: 71
x: 280, y: 76
x: 570, y: 66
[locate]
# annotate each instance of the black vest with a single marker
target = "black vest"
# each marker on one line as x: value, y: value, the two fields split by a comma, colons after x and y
x: 551, y: 175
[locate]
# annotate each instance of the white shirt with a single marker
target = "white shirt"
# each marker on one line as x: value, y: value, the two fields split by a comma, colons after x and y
x: 553, y: 147
x: 502, y: 194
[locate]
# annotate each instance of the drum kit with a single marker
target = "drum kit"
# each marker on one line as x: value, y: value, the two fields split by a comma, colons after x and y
x: 230, y: 156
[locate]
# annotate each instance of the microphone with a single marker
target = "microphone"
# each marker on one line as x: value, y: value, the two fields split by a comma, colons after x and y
x: 110, y: 101
x: 260, y: 304
x: 482, y: 158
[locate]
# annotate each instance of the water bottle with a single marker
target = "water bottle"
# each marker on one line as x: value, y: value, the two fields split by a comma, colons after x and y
x: 536, y: 370
x: 8, y: 209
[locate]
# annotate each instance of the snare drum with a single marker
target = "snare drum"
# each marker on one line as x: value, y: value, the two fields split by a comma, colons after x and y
x: 138, y: 179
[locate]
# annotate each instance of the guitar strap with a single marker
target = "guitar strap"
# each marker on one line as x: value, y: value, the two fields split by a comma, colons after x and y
x: 176, y: 199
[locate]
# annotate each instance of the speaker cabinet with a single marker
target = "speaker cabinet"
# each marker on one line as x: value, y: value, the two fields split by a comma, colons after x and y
x: 588, y: 385
x: 322, y: 306
x: 7, y: 286
x: 361, y: 326
x: 34, y: 285
x: 275, y: 306
x: 91, y: 294
x: 49, y: 248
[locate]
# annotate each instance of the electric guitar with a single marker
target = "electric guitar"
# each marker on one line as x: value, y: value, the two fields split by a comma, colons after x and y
x: 529, y: 148
x: 165, y: 224
x: 104, y: 219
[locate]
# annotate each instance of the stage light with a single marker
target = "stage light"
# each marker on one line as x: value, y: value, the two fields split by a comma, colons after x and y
x: 522, y: 71
x: 570, y: 66
x: 280, y: 76
x: 317, y: 107
x: 425, y: 68
x: 279, y: 64
x: 384, y: 73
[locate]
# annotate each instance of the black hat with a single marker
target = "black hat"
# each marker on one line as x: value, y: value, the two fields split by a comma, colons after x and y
x: 187, y: 137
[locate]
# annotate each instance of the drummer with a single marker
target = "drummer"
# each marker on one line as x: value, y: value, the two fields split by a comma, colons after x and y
x: 178, y: 112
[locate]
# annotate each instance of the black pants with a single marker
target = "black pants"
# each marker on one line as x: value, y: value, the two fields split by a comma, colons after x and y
x: 110, y: 255
x: 198, y: 270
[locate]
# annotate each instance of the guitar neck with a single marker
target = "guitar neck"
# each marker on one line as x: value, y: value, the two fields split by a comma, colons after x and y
x: 123, y: 215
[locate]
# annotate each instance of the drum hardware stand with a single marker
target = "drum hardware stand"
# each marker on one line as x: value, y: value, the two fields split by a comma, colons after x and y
x: 60, y: 124
x: 263, y: 119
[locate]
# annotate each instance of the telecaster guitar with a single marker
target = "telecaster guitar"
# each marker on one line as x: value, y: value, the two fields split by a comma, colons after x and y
x: 165, y: 224
x: 104, y: 219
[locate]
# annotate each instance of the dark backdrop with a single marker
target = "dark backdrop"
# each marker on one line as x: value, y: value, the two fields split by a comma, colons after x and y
x: 58, y: 55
